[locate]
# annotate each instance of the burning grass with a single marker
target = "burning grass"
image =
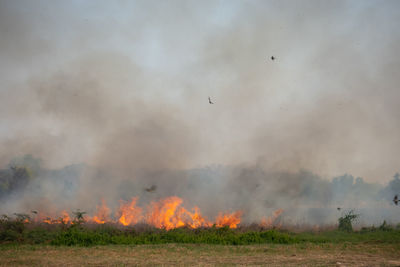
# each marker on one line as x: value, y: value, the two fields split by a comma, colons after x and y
x: 167, y: 221
x: 168, y: 213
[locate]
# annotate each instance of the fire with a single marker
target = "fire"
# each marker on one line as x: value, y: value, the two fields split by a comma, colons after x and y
x: 169, y: 214
x: 129, y: 213
x: 268, y: 222
x: 102, y: 214
x: 231, y: 220
x: 166, y: 213
x: 197, y: 220
x: 48, y: 220
x: 65, y: 219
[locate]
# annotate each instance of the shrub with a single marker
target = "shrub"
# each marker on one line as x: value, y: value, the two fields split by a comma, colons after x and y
x: 39, y: 236
x: 345, y: 222
x: 85, y: 237
x: 11, y: 230
x: 385, y: 227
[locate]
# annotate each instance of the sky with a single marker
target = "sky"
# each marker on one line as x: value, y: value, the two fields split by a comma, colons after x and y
x: 125, y: 84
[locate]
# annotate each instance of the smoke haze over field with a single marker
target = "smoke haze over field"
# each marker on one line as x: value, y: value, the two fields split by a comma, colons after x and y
x: 304, y: 197
x: 122, y: 87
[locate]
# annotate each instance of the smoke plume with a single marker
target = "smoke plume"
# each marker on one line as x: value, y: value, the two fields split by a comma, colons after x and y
x: 112, y: 98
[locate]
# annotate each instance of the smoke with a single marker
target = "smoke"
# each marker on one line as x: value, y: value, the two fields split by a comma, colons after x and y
x: 305, y: 198
x: 118, y: 92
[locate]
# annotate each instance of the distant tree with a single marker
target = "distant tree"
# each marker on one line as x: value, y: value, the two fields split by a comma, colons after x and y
x: 20, y: 177
x: 29, y: 162
x: 21, y: 171
x: 392, y: 189
x: 395, y: 183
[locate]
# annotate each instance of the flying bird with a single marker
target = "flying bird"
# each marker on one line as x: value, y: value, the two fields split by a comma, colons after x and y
x: 209, y: 100
x: 396, y: 199
x: 272, y: 58
x: 151, y: 188
x: 339, y: 208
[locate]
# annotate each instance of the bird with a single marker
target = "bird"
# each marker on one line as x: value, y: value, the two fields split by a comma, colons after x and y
x: 151, y: 188
x: 209, y: 101
x: 339, y: 208
x: 272, y: 58
x: 396, y: 200
x: 34, y: 211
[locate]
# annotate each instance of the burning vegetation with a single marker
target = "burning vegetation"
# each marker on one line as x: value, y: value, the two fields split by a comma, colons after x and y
x: 221, y: 197
x: 168, y: 213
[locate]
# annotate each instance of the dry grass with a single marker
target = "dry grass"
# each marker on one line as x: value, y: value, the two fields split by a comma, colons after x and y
x: 204, y: 255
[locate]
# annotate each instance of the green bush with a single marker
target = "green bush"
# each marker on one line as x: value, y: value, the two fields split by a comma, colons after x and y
x: 39, y: 236
x: 11, y: 230
x: 10, y: 235
x: 385, y: 227
x: 84, y: 237
x: 345, y: 222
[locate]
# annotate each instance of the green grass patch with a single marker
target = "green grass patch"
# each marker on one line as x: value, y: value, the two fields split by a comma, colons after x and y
x: 16, y: 232
x: 223, y: 236
x: 336, y: 236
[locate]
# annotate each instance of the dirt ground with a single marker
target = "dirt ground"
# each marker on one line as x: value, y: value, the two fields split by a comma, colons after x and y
x: 204, y: 255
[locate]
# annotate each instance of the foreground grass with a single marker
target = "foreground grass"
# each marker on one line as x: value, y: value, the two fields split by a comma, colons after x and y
x: 12, y: 232
x: 222, y: 236
x: 371, y: 235
x: 324, y: 254
x: 104, y: 245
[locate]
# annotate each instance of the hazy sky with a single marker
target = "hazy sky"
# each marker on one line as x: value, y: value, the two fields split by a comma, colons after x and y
x: 124, y: 84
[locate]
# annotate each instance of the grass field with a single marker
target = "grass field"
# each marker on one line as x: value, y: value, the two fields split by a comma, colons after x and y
x: 329, y: 254
x: 25, y: 244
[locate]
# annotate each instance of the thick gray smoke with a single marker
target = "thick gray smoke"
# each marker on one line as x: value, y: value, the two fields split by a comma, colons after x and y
x: 306, y: 198
x: 118, y: 92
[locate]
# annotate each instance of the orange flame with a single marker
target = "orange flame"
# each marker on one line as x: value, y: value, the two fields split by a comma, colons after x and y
x: 231, y: 220
x: 48, y: 220
x: 44, y: 218
x: 102, y: 214
x: 166, y: 213
x: 268, y: 222
x: 129, y: 213
x: 65, y: 219
x: 197, y: 220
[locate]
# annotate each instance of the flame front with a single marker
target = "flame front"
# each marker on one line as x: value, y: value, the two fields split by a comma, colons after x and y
x: 231, y: 220
x: 129, y: 213
x: 197, y: 220
x: 166, y: 213
x: 103, y: 213
x: 268, y: 222
x: 65, y: 219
